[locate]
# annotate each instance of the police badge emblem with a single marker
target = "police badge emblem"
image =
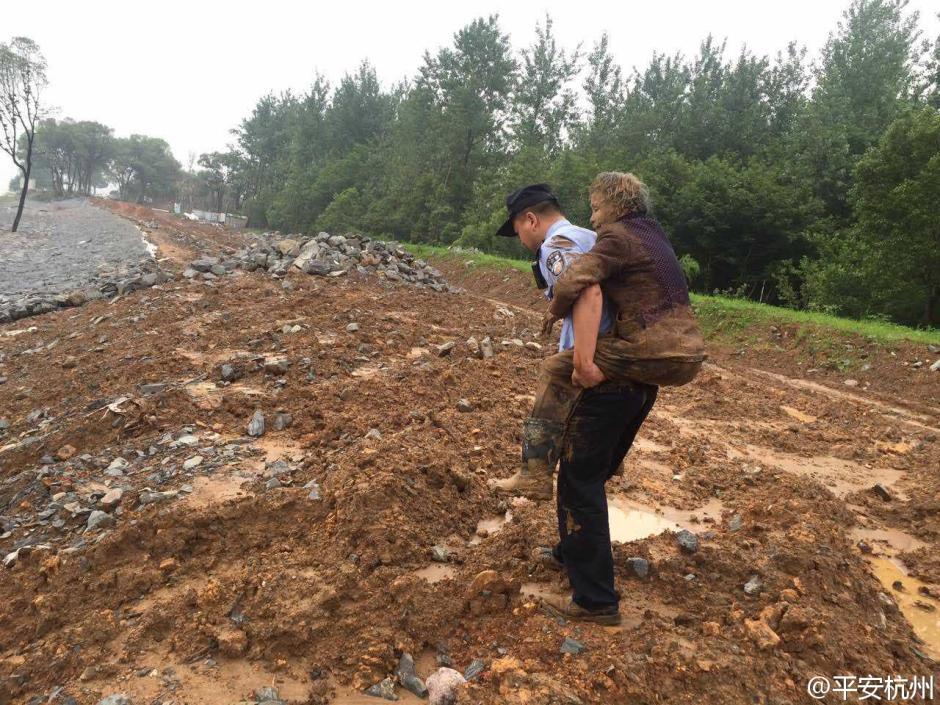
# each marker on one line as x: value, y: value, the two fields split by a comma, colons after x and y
x: 555, y: 263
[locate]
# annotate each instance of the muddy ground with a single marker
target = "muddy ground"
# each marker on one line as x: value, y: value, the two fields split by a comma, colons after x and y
x: 155, y: 549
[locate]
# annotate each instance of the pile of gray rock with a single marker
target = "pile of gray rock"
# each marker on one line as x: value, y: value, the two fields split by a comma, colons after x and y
x: 106, y: 286
x: 323, y: 255
x: 97, y: 490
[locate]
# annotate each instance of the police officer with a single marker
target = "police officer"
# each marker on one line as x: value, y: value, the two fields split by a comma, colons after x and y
x: 594, y: 408
x: 536, y: 217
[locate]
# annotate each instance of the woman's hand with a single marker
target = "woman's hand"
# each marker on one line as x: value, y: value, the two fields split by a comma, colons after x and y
x: 548, y: 322
x: 587, y: 375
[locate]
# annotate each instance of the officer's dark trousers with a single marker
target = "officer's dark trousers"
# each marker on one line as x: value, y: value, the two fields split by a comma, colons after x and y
x: 601, y: 428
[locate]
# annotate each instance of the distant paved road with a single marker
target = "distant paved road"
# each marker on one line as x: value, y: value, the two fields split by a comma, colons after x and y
x: 63, y: 245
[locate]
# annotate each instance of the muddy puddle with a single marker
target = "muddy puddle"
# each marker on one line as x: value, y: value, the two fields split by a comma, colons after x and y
x: 842, y: 477
x: 631, y: 522
x: 917, y: 600
x: 903, y: 415
x: 921, y: 610
x: 436, y: 572
x: 490, y: 526
x: 887, y: 540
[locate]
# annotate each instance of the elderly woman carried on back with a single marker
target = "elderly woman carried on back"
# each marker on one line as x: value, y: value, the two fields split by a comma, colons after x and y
x: 655, y: 339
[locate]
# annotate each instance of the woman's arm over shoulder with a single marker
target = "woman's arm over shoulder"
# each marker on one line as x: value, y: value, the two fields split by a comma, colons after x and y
x: 605, y: 259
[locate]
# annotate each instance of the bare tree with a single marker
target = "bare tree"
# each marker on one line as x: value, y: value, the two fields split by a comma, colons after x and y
x: 22, y: 80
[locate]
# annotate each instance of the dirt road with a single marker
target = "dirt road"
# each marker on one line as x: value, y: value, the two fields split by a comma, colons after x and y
x: 64, y: 245
x: 156, y: 549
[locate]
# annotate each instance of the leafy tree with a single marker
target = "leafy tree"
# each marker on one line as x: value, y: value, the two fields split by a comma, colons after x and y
x: 605, y: 91
x: 360, y: 110
x: 469, y: 86
x: 752, y: 171
x: 22, y: 81
x: 72, y: 156
x: 144, y: 167
x: 544, y: 104
x: 889, y: 260
x: 865, y: 75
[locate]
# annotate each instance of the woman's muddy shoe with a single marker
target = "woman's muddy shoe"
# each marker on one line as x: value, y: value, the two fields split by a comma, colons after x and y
x: 534, y: 480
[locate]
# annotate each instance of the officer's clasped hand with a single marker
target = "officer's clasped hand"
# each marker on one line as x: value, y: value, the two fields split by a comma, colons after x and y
x: 548, y: 322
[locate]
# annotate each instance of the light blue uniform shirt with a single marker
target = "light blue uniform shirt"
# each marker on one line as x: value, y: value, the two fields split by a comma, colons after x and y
x: 564, y: 243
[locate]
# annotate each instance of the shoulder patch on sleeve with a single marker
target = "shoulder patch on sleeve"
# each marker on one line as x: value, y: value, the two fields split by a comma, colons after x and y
x: 563, y: 243
x: 555, y: 263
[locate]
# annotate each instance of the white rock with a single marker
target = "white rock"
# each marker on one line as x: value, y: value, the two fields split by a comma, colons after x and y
x: 444, y: 686
x: 112, y: 497
x: 117, y: 467
x: 256, y: 425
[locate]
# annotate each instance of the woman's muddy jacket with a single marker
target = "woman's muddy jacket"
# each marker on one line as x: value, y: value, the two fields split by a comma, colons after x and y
x: 639, y: 274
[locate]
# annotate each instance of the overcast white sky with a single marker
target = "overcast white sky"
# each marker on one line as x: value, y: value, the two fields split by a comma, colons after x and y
x: 189, y: 71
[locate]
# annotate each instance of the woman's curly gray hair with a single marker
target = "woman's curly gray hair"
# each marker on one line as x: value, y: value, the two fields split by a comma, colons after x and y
x: 622, y: 192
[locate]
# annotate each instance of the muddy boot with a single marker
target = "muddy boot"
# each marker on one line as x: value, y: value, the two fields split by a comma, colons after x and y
x: 568, y: 609
x: 543, y: 555
x: 541, y: 440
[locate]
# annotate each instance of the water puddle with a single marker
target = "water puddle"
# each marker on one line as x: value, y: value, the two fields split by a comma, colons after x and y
x: 632, y: 522
x: 921, y: 611
x: 903, y: 415
x: 489, y: 527
x: 842, y: 477
x: 436, y: 572
x: 538, y: 591
x: 891, y: 541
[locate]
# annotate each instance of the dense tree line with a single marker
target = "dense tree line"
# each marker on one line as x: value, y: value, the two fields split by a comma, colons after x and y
x: 78, y: 157
x: 808, y: 183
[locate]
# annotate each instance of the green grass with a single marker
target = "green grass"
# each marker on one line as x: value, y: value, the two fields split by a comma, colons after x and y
x: 742, y: 313
x: 723, y: 316
x: 480, y: 259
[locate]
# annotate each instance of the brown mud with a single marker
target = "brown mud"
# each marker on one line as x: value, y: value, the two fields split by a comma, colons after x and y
x: 219, y: 577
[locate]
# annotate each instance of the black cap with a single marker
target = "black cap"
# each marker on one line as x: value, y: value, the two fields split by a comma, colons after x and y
x: 518, y: 201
